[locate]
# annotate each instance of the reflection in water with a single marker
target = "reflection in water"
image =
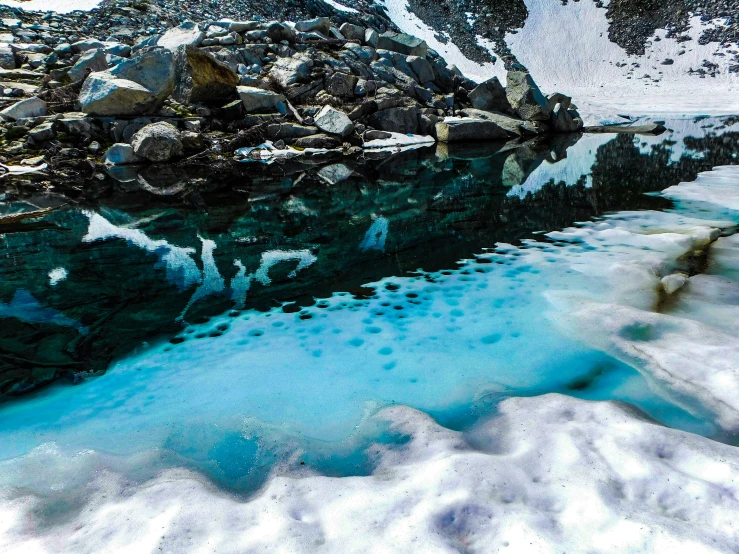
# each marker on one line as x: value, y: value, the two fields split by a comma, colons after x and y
x: 376, y: 235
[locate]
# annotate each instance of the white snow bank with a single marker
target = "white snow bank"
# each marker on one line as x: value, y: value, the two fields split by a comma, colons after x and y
x: 548, y: 474
x: 60, y: 6
x: 399, y: 140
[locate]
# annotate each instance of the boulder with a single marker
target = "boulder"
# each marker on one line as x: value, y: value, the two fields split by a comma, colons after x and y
x: 7, y: 58
x: 525, y: 97
x: 243, y: 26
x: 335, y: 173
x: 317, y: 24
x: 43, y: 132
x: 90, y: 61
x: 335, y: 122
x: 187, y: 34
x: 30, y: 107
x: 371, y: 37
x: 318, y: 141
x: 514, y: 126
x: 157, y: 142
x: 288, y: 71
x: 490, y: 95
x: 120, y: 154
x: 352, y: 32
x: 200, y: 78
x: 259, y: 100
x: 277, y: 32
x: 422, y: 69
x: 468, y: 129
x: 396, y: 120
x: 136, y: 86
x: 288, y: 131
x: 341, y: 85
x: 559, y: 98
x: 564, y: 120
x: 403, y: 43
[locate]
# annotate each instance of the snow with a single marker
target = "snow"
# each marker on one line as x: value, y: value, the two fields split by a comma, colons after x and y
x: 341, y: 7
x: 60, y: 6
x: 399, y: 141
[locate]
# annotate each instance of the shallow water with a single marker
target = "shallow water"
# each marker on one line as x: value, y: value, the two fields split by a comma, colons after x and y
x: 263, y: 321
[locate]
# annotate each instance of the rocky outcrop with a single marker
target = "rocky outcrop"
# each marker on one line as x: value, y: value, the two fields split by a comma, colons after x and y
x: 200, y: 78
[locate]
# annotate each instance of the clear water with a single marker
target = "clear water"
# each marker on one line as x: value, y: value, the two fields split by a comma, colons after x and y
x: 264, y: 320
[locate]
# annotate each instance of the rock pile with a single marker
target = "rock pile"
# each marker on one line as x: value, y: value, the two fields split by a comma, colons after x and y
x: 211, y: 87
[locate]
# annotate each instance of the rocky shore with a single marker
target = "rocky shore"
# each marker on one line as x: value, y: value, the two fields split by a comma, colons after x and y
x: 77, y: 96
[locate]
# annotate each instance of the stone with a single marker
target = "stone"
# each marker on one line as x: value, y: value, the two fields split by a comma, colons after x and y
x: 136, y: 86
x: 563, y: 121
x: 467, y: 129
x: 396, y: 120
x: 288, y: 71
x: 43, y: 132
x: 333, y: 121
x: 490, y: 95
x: 525, y: 97
x: 317, y: 24
x: 352, y: 32
x: 403, y: 44
x: 201, y: 79
x: 90, y: 61
x: 30, y: 107
x: 277, y: 32
x: 259, y: 100
x: 514, y: 126
x: 371, y: 37
x: 559, y: 98
x: 192, y: 141
x: 120, y: 154
x: 243, y: 26
x: 422, y: 69
x: 187, y: 34
x: 335, y: 173
x: 318, y: 141
x: 289, y: 131
x: 7, y: 58
x: 365, y: 54
x: 158, y: 142
x: 341, y: 85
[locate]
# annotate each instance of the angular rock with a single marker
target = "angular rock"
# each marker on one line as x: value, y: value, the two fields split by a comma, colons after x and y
x: 121, y: 154
x: 157, y: 142
x: 288, y: 71
x: 371, y: 37
x: 318, y: 141
x: 559, y: 98
x: 490, y: 96
x: 525, y: 97
x: 288, y: 131
x: 317, y: 24
x: 464, y: 129
x: 277, y: 32
x: 7, y: 58
x: 90, y: 61
x: 30, y: 107
x: 136, y: 86
x: 341, y: 85
x: 564, y: 121
x: 43, y: 132
x: 332, y: 121
x: 403, y: 43
x: 422, y: 69
x: 396, y: 120
x: 514, y: 126
x: 352, y: 32
x: 200, y: 78
x: 187, y: 34
x: 192, y: 141
x: 259, y: 100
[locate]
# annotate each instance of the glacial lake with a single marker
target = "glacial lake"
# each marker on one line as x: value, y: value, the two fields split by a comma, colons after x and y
x: 257, y: 318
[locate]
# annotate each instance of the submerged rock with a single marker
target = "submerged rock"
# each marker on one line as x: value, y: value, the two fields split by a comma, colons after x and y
x: 120, y: 154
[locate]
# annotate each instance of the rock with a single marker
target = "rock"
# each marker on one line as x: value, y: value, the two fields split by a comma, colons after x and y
x: 243, y: 26
x: 186, y: 34
x: 257, y: 99
x: 371, y: 37
x: 559, y: 98
x: 7, y: 58
x: 403, y: 43
x: 333, y: 121
x: 157, y: 142
x: 43, y: 132
x: 515, y: 127
x: 376, y: 135
x: 136, y: 86
x: 201, y: 79
x: 490, y: 95
x: 649, y: 129
x: 192, y: 141
x: 352, y: 32
x: 289, y: 131
x: 341, y: 85
x: 120, y: 154
x: 277, y: 32
x: 92, y: 60
x: 422, y: 69
x: 674, y: 282
x: 396, y: 120
x: 30, y: 107
x: 318, y: 141
x: 318, y: 24
x: 564, y: 121
x: 525, y: 97
x: 288, y: 71
x: 335, y: 173
x: 467, y: 129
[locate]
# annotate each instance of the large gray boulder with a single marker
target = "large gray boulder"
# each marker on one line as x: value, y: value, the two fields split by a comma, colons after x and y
x: 259, y: 100
x: 422, y: 69
x: 92, y: 60
x: 157, y: 142
x: 133, y: 87
x: 316, y: 25
x: 352, y: 32
x: 564, y: 120
x: 187, y: 34
x: 7, y: 58
x: 525, y: 97
x: 396, y: 120
x: 30, y: 107
x: 403, y: 43
x: 514, y: 126
x: 490, y: 96
x: 341, y: 85
x: 288, y: 71
x: 468, y: 129
x: 332, y: 121
x: 200, y: 78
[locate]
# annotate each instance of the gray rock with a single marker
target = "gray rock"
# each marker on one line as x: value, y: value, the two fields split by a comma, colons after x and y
x: 157, y: 142
x: 278, y: 32
x: 365, y: 54
x: 288, y: 71
x: 200, y: 78
x: 396, y: 120
x: 192, y: 141
x: 7, y: 58
x: 186, y: 34
x: 559, y: 98
x: 376, y: 135
x: 461, y: 130
x: 256, y: 99
x: 92, y: 60
x: 564, y: 120
x: 318, y: 141
x: 136, y: 86
x: 352, y: 32
x: 243, y: 26
x: 43, y: 132
x: 30, y: 107
x: 422, y: 69
x: 332, y: 121
x: 120, y: 154
x: 490, y: 95
x: 525, y: 97
x: 289, y: 131
x: 341, y: 85
x: 317, y: 24
x: 514, y: 126
x: 371, y: 37
x: 335, y: 173
x: 403, y: 43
